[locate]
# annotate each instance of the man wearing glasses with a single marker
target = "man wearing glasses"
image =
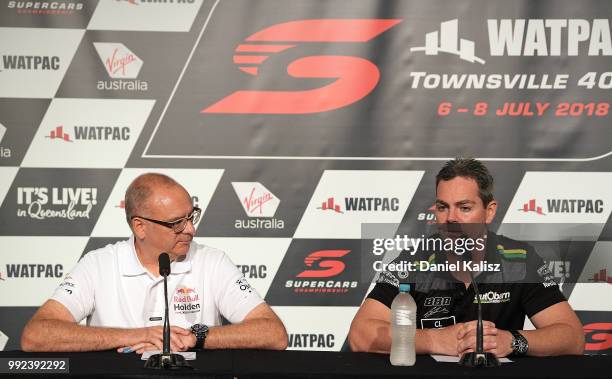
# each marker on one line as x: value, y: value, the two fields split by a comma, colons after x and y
x: 119, y: 292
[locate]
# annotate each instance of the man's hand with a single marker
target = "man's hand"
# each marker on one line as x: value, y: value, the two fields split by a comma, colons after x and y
x: 496, y: 341
x: 152, y: 339
x: 445, y: 340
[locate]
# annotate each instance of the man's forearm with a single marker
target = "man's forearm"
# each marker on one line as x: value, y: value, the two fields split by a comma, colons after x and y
x: 375, y: 337
x: 57, y: 335
x: 556, y: 339
x: 260, y: 333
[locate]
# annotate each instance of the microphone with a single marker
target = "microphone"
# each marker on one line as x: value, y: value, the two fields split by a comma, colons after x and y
x: 166, y: 360
x: 478, y: 358
x: 164, y: 270
x: 164, y: 264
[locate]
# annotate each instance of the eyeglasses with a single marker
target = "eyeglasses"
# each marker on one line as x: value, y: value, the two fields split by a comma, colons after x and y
x: 180, y: 224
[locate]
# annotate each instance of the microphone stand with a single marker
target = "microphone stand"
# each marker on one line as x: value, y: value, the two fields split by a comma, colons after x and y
x: 478, y: 358
x: 166, y: 360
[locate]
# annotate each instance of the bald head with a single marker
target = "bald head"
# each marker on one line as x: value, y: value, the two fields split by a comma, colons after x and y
x: 140, y: 190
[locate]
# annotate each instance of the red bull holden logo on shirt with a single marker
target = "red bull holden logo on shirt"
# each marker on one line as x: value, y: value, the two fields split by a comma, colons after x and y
x: 186, y: 300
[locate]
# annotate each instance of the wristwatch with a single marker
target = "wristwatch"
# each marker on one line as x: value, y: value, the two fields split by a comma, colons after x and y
x: 519, y: 344
x: 200, y: 331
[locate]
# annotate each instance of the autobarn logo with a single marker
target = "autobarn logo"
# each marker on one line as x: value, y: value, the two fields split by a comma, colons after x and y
x: 259, y: 204
x: 122, y: 66
x: 90, y: 133
x: 322, y: 267
x: 361, y: 204
x: 34, y: 270
x: 63, y: 8
x: 13, y: 62
x: 186, y: 300
x: 493, y: 297
x: 312, y: 340
x: 70, y: 203
x: 564, y: 206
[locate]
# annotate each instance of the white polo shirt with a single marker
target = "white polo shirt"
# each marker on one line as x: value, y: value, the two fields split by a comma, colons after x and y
x: 111, y: 288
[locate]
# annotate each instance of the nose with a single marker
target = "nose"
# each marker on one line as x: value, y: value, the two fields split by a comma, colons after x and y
x: 189, y: 228
x: 452, y: 216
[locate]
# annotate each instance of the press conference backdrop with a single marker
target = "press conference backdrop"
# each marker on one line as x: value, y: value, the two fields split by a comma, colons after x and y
x: 292, y: 123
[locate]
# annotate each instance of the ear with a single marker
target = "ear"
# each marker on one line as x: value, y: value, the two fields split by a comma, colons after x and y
x: 490, y: 211
x: 139, y: 228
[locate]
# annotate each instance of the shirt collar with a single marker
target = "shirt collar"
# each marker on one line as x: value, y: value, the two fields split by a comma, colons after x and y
x: 130, y: 264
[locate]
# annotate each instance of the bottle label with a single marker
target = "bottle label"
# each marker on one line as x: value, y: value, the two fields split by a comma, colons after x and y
x: 402, y: 317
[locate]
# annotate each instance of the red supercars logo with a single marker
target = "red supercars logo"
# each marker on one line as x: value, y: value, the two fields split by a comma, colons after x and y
x: 332, y: 267
x: 598, y: 336
x: 355, y: 77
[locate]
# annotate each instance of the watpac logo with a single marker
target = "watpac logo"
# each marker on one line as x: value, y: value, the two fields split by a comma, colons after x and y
x: 2, y: 132
x: 524, y: 37
x: 253, y: 271
x: 91, y: 133
x: 70, y: 203
x: 30, y: 62
x: 446, y: 40
x: 330, y: 205
x: 64, y: 8
x: 59, y: 134
x: 311, y: 340
x: 355, y: 77
x: 120, y: 63
x: 362, y: 204
x: 259, y: 204
x: 601, y: 277
x: 567, y: 206
x: 531, y: 206
x: 33, y: 270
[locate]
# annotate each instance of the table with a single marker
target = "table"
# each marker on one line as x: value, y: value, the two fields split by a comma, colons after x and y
x: 316, y: 364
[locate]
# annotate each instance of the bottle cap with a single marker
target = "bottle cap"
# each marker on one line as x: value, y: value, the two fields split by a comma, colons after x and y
x: 404, y: 287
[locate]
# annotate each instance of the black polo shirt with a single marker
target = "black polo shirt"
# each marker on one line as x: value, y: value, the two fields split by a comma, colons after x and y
x: 524, y: 287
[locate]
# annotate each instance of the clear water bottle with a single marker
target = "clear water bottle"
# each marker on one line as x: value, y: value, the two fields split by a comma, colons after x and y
x: 403, y: 328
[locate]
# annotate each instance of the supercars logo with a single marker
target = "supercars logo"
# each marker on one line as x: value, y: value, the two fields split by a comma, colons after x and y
x: 327, y: 267
x: 355, y: 77
x: 598, y: 336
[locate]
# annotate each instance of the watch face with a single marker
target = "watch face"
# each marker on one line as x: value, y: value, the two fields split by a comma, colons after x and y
x: 519, y: 343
